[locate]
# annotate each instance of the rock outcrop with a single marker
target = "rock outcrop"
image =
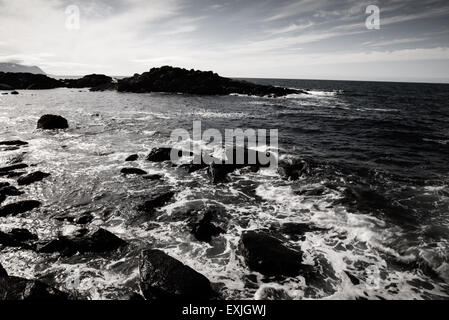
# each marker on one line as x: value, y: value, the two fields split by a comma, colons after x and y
x: 93, y: 81
x: 28, y: 81
x: 177, y: 80
x: 164, y: 277
x: 32, y: 178
x: 52, y: 122
x: 14, y: 209
x: 268, y: 255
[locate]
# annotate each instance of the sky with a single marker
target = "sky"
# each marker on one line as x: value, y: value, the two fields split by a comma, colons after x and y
x: 298, y: 39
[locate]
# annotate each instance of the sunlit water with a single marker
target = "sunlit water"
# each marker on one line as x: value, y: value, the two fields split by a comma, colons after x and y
x: 390, y: 137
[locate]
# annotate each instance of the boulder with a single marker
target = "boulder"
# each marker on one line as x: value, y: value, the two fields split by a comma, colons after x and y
x: 177, y: 80
x: 14, y: 288
x: 10, y: 191
x: 86, y: 242
x: 163, y: 277
x: 133, y: 171
x: 208, y: 223
x: 292, y: 169
x: 51, y: 122
x: 19, y: 238
x: 132, y: 157
x: 268, y: 255
x: 13, y: 167
x: 19, y: 207
x: 157, y: 199
x: 159, y: 155
x: 13, y: 143
x: 32, y: 177
x: 14, y: 93
x: 152, y: 177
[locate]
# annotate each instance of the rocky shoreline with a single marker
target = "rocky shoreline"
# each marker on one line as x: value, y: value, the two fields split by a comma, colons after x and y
x: 164, y: 79
x: 264, y: 251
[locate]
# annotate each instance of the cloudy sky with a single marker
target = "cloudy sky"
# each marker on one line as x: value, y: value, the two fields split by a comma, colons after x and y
x: 313, y: 39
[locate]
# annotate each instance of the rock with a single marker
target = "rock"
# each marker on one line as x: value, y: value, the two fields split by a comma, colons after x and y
x: 32, y: 177
x: 156, y: 200
x: 84, y: 219
x: 133, y: 171
x: 96, y: 81
x: 3, y: 272
x: 292, y: 169
x: 10, y: 191
x: 14, y: 288
x: 268, y: 255
x: 152, y: 177
x: 28, y: 81
x: 85, y: 242
x: 177, y: 80
x: 19, y: 238
x: 208, y: 224
x: 191, y: 167
x: 4, y: 184
x: 13, y: 167
x: 16, y: 159
x: 51, y: 122
x: 163, y: 277
x: 13, y: 143
x: 132, y: 157
x: 159, y: 155
x: 19, y: 207
x: 14, y: 92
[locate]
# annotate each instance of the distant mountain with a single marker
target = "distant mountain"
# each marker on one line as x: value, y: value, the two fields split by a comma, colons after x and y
x: 14, y: 67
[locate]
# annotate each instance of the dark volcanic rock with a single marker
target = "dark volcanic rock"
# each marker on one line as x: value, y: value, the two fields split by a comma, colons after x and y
x: 208, y: 223
x: 84, y: 219
x: 177, y: 80
x: 163, y: 277
x: 51, y: 122
x: 19, y: 207
x: 132, y: 157
x: 13, y: 167
x: 98, y: 241
x: 152, y: 177
x: 14, y: 93
x: 161, y: 154
x: 32, y: 177
x: 133, y: 171
x: 10, y: 191
x: 18, y: 238
x: 3, y: 272
x: 268, y: 255
x: 28, y: 81
x: 14, y: 288
x: 292, y: 169
x: 97, y: 81
x: 156, y: 200
x: 13, y: 143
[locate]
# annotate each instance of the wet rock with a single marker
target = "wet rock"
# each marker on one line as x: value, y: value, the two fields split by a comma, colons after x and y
x: 14, y: 288
x: 13, y: 143
x: 156, y: 200
x: 354, y: 280
x: 85, y: 242
x: 84, y: 219
x: 292, y: 169
x: 177, y: 80
x: 52, y: 122
x: 159, y: 155
x: 152, y: 177
x: 10, y: 191
x: 3, y: 272
x: 132, y: 157
x: 19, y: 207
x: 16, y: 159
x: 4, y: 184
x: 13, y: 167
x: 133, y: 171
x: 208, y: 223
x: 268, y: 255
x: 14, y: 92
x: 18, y: 238
x: 32, y: 177
x: 15, y: 174
x: 163, y: 277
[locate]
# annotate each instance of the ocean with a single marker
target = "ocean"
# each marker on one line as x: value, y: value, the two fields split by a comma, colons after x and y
x: 377, y: 190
